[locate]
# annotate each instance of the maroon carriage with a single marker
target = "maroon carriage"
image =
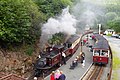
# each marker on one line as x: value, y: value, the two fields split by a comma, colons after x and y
x: 101, y: 50
x: 72, y: 44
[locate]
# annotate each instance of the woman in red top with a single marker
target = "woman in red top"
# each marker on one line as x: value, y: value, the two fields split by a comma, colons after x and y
x: 52, y: 76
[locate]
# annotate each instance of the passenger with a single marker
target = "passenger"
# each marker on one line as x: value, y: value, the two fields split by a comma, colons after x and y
x: 35, y: 78
x: 78, y: 58
x: 84, y: 41
x: 76, y: 61
x: 57, y: 75
x: 63, y: 57
x: 52, y: 76
x: 62, y: 76
x: 83, y: 59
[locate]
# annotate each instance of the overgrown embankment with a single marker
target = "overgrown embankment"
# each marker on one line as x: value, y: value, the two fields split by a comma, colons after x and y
x: 116, y: 62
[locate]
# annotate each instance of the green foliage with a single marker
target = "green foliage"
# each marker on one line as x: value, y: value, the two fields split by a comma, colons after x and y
x: 14, y: 20
x: 111, y: 16
x: 57, y: 38
x: 109, y: 34
x: 19, y: 21
x: 113, y: 8
x: 51, y: 8
x: 115, y: 24
x: 29, y: 50
x: 66, y: 2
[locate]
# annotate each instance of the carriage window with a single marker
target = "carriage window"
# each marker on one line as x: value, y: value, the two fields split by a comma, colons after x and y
x: 97, y: 52
x: 104, y: 53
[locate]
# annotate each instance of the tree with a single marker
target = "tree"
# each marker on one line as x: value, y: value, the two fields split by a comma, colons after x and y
x: 57, y: 38
x: 111, y: 16
x: 17, y: 21
x: 51, y: 8
x: 115, y: 24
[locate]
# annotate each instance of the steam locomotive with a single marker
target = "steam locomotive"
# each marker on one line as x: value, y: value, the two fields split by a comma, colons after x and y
x: 52, y: 57
x: 101, y: 50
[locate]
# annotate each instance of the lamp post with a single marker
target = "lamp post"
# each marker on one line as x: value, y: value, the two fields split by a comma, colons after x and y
x: 99, y: 28
x: 81, y: 40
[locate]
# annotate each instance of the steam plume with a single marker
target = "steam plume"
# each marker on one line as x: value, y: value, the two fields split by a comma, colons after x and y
x: 64, y: 23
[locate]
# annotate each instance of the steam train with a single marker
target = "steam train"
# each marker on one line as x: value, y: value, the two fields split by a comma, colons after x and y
x: 53, y: 57
x: 101, y: 50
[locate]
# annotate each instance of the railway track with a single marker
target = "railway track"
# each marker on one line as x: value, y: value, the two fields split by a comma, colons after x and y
x: 94, y: 73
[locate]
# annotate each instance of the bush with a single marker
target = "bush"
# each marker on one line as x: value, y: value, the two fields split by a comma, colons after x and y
x: 109, y: 34
x: 29, y: 51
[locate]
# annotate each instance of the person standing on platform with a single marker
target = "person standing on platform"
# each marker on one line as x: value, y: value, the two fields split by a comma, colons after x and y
x: 52, y: 76
x: 57, y: 75
x: 83, y: 59
x: 62, y: 76
x: 63, y: 57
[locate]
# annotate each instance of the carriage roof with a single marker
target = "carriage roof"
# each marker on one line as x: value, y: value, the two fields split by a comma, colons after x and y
x: 73, y: 38
x: 99, y: 37
x: 102, y: 43
x: 58, y: 46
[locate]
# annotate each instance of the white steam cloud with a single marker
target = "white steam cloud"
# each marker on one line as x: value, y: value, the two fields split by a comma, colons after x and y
x: 87, y: 13
x: 65, y: 23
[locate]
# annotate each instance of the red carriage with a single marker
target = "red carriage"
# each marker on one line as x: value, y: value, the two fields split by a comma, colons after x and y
x: 101, y: 50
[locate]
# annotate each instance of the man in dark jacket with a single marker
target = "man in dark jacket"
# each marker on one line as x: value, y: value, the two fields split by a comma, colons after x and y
x: 62, y: 76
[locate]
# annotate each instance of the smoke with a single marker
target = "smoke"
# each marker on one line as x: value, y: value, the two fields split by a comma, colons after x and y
x: 65, y: 23
x: 87, y: 13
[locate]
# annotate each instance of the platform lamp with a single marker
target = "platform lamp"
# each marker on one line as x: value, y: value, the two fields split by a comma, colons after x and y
x: 99, y: 28
x: 81, y: 43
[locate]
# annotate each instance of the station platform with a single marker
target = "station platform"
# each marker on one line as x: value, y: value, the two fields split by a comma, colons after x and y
x: 78, y: 71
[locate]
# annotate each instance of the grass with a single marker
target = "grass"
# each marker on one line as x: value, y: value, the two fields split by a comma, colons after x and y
x: 116, y: 61
x: 109, y: 34
x: 116, y: 65
x: 115, y: 76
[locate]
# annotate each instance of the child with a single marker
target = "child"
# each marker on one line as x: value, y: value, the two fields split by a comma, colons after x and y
x: 52, y: 76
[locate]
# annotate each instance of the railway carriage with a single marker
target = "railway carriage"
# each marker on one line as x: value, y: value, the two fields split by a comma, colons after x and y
x: 101, y: 50
x: 72, y: 44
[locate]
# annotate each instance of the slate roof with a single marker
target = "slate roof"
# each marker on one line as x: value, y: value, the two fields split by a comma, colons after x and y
x: 101, y: 43
x: 73, y: 38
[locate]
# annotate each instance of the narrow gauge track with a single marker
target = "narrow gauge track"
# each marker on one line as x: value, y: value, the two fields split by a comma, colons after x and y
x: 94, y: 73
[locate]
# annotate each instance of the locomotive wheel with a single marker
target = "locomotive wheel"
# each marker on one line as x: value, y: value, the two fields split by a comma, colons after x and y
x: 58, y: 65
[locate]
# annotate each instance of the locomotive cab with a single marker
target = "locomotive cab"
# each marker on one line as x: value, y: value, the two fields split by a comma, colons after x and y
x: 54, y: 58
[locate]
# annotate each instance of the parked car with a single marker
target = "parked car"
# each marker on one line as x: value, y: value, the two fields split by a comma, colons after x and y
x: 115, y: 35
x: 119, y: 36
